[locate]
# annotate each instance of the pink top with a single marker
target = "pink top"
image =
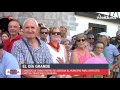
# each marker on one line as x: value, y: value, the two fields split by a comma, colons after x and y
x: 82, y: 58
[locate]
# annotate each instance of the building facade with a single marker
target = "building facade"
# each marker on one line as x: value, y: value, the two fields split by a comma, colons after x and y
x: 100, y: 22
x: 50, y: 19
x: 76, y: 22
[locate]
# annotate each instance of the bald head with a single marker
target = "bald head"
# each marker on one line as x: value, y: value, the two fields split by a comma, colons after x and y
x: 30, y: 20
x: 13, y: 28
x: 14, y: 22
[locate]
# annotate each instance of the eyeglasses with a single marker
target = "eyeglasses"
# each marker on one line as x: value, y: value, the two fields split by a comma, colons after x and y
x: 81, y: 40
x: 54, y: 33
x: 91, y: 38
x: 44, y: 32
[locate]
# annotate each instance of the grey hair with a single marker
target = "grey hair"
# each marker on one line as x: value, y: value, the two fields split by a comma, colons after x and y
x: 30, y: 19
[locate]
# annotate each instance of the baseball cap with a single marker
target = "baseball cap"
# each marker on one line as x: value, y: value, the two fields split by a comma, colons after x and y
x: 103, y: 34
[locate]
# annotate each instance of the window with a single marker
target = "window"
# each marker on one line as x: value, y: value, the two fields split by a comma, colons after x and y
x: 97, y: 28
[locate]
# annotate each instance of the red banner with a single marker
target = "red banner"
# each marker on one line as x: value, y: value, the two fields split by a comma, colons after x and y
x: 65, y: 71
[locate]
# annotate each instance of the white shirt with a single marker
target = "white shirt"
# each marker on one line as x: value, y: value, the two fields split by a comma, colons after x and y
x: 56, y: 54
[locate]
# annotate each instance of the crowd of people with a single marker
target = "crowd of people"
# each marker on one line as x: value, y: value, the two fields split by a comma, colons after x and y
x: 34, y: 43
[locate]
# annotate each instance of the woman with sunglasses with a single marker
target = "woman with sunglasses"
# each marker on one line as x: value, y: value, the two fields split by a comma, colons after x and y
x: 80, y: 54
x: 58, y: 51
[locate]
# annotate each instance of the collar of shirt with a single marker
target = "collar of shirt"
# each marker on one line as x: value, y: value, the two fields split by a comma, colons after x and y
x: 17, y: 38
x: 36, y: 38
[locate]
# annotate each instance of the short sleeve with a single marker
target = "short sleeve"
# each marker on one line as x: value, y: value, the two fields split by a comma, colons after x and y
x: 115, y: 51
x: 12, y: 64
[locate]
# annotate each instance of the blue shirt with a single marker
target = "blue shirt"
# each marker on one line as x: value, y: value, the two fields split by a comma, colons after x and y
x: 8, y: 61
x: 41, y: 54
x: 110, y: 52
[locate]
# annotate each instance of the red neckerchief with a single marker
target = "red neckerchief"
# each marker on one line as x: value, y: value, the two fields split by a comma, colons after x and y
x: 51, y: 44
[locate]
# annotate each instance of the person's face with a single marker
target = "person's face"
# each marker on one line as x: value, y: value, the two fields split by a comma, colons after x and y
x: 103, y: 38
x: 13, y: 28
x: 30, y: 29
x: 21, y: 32
x: 99, y: 48
x: 5, y: 36
x: 63, y: 31
x: 91, y: 39
x: 81, y: 42
x: 43, y: 33
x: 74, y: 39
x: 67, y: 45
x: 55, y: 35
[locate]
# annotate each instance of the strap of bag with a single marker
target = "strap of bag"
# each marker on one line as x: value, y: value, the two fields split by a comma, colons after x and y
x: 29, y: 51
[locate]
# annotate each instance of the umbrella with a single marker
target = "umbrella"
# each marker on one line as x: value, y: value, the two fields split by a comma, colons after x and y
x: 96, y: 60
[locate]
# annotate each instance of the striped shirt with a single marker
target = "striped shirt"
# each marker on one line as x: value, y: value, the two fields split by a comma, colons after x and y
x: 42, y: 54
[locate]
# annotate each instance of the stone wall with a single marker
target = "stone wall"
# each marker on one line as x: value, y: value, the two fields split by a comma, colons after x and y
x: 48, y: 18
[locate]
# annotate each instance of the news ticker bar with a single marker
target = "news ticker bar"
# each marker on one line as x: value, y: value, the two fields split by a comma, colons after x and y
x: 65, y: 66
x: 60, y: 69
x: 58, y: 72
x: 65, y: 72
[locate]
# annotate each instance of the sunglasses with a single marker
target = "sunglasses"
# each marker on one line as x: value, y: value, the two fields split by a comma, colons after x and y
x: 91, y: 38
x: 54, y: 33
x: 81, y: 40
x: 44, y: 32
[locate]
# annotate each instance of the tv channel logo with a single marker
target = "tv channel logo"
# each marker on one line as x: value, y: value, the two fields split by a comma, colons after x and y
x: 13, y: 71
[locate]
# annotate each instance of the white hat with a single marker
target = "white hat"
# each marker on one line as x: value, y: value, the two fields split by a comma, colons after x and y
x: 104, y: 34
